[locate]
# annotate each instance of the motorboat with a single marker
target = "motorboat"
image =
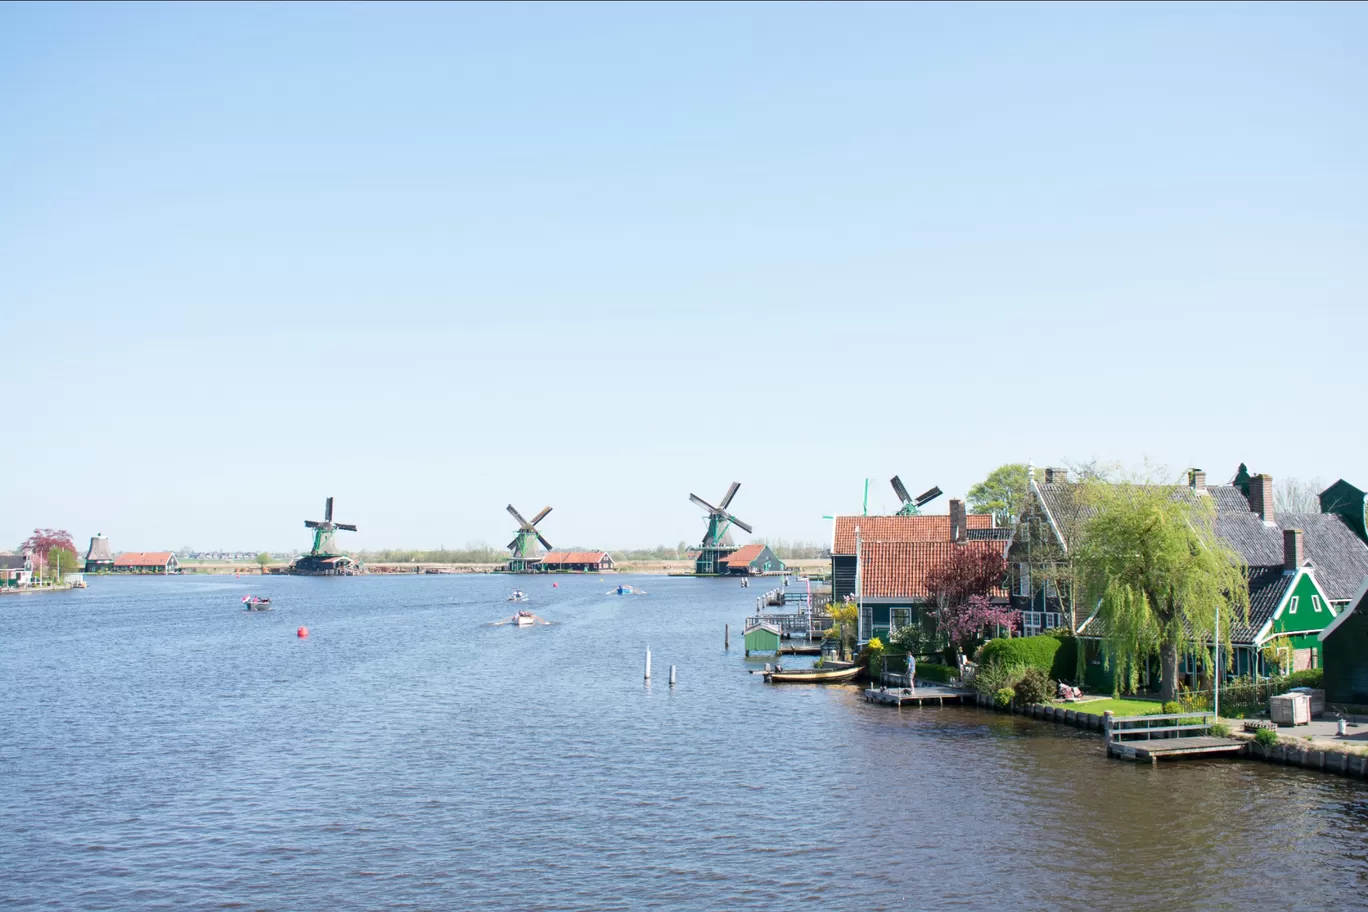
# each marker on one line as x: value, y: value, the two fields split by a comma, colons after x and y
x: 253, y: 603
x: 518, y: 596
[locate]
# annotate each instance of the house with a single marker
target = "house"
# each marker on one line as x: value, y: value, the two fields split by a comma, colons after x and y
x: 575, y: 561
x: 98, y: 557
x: 883, y: 561
x: 1344, y: 650
x: 761, y: 636
x: 749, y: 560
x: 16, y: 571
x: 146, y: 562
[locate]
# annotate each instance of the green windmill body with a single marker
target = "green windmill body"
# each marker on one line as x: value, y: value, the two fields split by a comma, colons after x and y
x: 324, y: 558
x: 523, y: 548
x: 717, y: 541
x: 912, y: 506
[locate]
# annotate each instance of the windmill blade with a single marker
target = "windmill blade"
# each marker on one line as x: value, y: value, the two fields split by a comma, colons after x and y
x: 347, y: 526
x: 739, y: 524
x: 927, y: 496
x: 731, y: 492
x: 702, y: 503
x: 327, y: 511
x: 540, y: 516
x: 518, y: 516
x: 545, y: 544
x: 511, y: 545
x: 900, y: 490
x: 312, y: 524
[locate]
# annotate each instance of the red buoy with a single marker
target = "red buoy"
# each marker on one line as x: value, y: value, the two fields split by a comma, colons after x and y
x: 302, y: 632
x: 555, y: 585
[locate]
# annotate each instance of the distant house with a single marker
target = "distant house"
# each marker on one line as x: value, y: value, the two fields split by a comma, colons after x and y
x: 575, y: 561
x: 98, y: 556
x: 751, y: 559
x: 146, y: 562
x: 1344, y: 651
x: 16, y: 571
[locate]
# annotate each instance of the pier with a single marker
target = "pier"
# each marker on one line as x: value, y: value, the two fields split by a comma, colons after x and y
x: 920, y: 696
x: 1178, y: 735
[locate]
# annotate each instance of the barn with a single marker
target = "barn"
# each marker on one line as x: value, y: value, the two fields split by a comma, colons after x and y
x: 146, y: 562
x: 750, y: 560
x: 575, y: 562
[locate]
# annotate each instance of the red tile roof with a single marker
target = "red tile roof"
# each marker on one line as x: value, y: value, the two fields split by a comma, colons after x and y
x: 921, y: 528
x: 143, y: 559
x: 743, y: 555
x: 573, y: 557
x: 899, y: 569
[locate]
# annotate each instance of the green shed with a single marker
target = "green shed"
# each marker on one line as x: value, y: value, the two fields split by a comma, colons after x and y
x: 761, y: 637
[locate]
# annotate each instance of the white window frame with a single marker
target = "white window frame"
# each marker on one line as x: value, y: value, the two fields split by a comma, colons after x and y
x: 1292, y: 604
x: 1023, y: 579
x: 1316, y: 603
x: 1030, y: 623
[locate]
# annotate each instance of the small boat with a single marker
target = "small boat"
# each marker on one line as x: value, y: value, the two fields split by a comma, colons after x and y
x: 625, y: 589
x: 813, y: 675
x: 518, y: 596
x: 524, y: 619
x: 252, y: 603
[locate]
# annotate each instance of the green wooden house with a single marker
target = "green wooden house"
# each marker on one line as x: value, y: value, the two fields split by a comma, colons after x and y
x: 1344, y: 652
x: 761, y: 636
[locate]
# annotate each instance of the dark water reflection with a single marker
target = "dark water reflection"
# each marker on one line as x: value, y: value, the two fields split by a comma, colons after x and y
x: 163, y: 749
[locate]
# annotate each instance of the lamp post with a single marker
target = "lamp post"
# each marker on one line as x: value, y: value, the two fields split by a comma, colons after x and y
x: 1216, y: 666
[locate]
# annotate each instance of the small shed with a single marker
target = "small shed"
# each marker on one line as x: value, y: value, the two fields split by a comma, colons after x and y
x: 761, y: 637
x: 751, y: 559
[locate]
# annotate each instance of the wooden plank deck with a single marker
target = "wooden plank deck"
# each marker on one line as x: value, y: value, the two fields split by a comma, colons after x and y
x: 922, y: 696
x: 1157, y: 749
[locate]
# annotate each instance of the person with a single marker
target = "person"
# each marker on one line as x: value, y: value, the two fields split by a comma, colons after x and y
x: 912, y: 672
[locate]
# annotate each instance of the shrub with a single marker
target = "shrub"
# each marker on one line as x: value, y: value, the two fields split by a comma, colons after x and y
x: 989, y: 679
x: 1035, y: 687
x: 1172, y: 706
x: 1032, y: 652
x: 1003, y: 698
x: 1220, y: 730
x: 941, y: 674
x: 1266, y: 737
x: 1311, y: 677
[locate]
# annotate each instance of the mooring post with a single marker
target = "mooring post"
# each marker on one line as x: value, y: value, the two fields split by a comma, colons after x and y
x: 672, y: 676
x: 726, y: 636
x: 1107, y: 729
x: 648, y: 663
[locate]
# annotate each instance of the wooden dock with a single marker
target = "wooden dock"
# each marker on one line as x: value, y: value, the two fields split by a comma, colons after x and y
x: 920, y: 696
x: 1165, y: 736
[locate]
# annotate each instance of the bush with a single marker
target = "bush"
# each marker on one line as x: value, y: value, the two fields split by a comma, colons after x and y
x: 1172, y: 706
x: 1003, y: 698
x: 1032, y: 652
x: 989, y: 679
x: 1311, y: 677
x: 1266, y: 737
x: 1220, y: 730
x: 1035, y: 687
x: 941, y: 674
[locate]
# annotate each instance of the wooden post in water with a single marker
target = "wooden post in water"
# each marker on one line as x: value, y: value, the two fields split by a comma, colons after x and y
x: 648, y: 663
x: 1107, y: 729
x: 672, y: 676
x: 726, y: 636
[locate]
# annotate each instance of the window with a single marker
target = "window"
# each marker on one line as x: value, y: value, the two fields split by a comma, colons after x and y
x: 1050, y: 590
x: 1315, y: 654
x: 1315, y: 603
x: 1292, y: 605
x: 866, y: 623
x: 1053, y: 620
x: 1023, y: 579
x: 1030, y: 623
x: 901, y: 617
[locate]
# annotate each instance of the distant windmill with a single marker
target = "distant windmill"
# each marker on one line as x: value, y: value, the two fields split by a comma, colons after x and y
x: 911, y: 506
x: 717, y: 541
x: 524, y: 543
x: 324, y: 558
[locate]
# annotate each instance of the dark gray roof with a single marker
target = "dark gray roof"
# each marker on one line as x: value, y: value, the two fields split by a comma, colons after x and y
x: 11, y: 562
x: 1267, y: 586
x: 1339, y: 557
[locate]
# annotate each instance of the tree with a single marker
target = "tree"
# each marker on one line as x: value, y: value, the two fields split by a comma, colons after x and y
x: 263, y: 558
x: 959, y: 590
x: 1152, y: 558
x: 44, y: 542
x: 61, y: 561
x: 845, y: 618
x: 1292, y: 495
x: 1003, y: 493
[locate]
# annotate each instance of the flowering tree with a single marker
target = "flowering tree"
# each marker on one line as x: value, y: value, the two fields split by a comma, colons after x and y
x: 963, y: 623
x: 47, y: 545
x: 959, y: 590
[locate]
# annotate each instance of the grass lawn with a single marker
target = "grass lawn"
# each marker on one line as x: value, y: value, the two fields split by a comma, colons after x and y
x: 1120, y: 707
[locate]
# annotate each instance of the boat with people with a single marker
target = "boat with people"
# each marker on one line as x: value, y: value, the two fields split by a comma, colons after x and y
x: 253, y: 603
x: 625, y: 589
x: 524, y: 618
x: 812, y: 675
x: 518, y: 596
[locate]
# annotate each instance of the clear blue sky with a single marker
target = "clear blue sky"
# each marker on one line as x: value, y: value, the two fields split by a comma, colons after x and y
x: 433, y: 259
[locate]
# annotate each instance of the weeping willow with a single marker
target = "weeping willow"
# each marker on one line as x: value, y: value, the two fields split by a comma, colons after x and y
x: 1150, y: 559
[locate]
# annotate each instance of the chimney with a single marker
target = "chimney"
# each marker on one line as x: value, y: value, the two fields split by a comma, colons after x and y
x: 958, y: 522
x: 1197, y: 478
x: 1292, y: 549
x: 1056, y: 475
x: 1261, y: 496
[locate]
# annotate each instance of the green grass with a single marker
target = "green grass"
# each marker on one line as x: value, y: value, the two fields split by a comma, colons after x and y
x: 1120, y: 707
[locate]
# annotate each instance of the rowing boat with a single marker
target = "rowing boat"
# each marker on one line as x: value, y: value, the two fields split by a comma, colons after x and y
x: 813, y: 676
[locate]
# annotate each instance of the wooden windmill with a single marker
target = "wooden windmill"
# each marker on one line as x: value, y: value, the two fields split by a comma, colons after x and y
x: 324, y: 558
x: 524, y: 544
x: 717, y: 541
x: 912, y: 506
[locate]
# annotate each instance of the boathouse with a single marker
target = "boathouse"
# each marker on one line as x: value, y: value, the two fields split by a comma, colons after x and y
x: 750, y: 560
x: 98, y: 557
x: 146, y: 562
x: 574, y: 562
x: 1344, y: 655
x: 761, y: 636
x: 16, y: 571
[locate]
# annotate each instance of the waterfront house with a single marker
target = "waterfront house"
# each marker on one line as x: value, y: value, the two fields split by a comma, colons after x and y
x: 146, y: 562
x: 749, y: 560
x: 98, y: 556
x: 882, y: 562
x: 761, y: 636
x: 1344, y: 650
x: 575, y: 561
x: 16, y: 571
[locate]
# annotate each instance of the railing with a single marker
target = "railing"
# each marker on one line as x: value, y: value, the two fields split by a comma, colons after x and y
x: 1118, y: 729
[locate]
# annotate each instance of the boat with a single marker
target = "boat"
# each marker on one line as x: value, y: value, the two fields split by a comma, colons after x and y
x: 518, y: 596
x: 252, y: 603
x: 625, y: 589
x: 813, y: 675
x: 524, y: 618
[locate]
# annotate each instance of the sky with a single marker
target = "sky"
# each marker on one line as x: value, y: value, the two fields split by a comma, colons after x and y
x: 432, y: 260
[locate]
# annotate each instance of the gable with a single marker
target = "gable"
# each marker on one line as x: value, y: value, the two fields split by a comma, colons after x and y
x: 1303, y: 609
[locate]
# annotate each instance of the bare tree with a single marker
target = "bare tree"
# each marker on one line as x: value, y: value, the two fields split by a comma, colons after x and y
x: 1292, y: 495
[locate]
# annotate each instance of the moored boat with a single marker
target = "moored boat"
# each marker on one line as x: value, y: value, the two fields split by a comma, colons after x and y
x: 813, y: 675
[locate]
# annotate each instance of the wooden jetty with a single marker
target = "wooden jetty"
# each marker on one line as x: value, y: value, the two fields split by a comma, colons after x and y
x: 919, y: 696
x: 1165, y: 736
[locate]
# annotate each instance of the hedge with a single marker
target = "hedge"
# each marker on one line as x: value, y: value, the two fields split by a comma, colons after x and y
x: 1033, y: 652
x: 1311, y: 677
x: 941, y: 674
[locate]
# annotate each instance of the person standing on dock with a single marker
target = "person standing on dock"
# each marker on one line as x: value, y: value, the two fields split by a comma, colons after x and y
x: 912, y: 672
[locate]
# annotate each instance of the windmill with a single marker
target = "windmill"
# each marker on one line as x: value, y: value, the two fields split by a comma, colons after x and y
x: 524, y: 543
x: 717, y: 541
x: 910, y: 506
x: 324, y: 558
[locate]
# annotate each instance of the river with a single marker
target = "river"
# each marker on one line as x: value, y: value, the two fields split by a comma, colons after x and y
x: 160, y: 748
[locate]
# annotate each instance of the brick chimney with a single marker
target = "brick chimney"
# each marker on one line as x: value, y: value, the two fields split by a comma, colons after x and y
x: 1197, y: 478
x: 959, y: 525
x: 1292, y: 549
x: 1056, y: 475
x: 1261, y: 496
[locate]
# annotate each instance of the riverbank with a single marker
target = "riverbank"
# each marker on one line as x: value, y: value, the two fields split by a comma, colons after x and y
x: 30, y: 590
x: 643, y: 567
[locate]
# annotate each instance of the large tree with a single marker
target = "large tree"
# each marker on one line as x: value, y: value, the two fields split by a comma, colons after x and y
x: 1003, y: 493
x: 1149, y: 556
x: 959, y: 590
x: 46, y: 545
